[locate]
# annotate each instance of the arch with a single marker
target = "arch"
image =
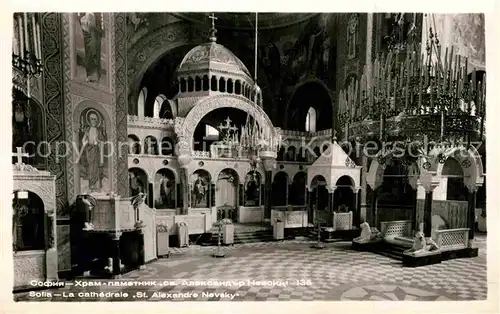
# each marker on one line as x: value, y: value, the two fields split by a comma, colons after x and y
x: 311, y: 120
x: 280, y: 189
x: 452, y: 175
x: 298, y: 189
x: 190, y: 85
x: 205, y: 106
x: 168, y: 110
x: 213, y: 83
x: 307, y: 94
x: 183, y: 85
x: 222, y: 85
x: 158, y: 103
x: 197, y: 84
x: 345, y: 180
x: 291, y: 153
x: 320, y: 193
x: 165, y: 189
x: 230, y: 86
x: 134, y: 144
x: 141, y: 102
x: 237, y: 87
x: 205, y: 83
x: 28, y: 222
x: 167, y: 146
x: 150, y: 145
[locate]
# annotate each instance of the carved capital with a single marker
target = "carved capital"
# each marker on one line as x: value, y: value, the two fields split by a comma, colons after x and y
x: 115, y: 236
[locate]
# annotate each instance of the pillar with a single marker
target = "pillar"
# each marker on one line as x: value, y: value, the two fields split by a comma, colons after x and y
x: 51, y: 254
x: 356, y: 210
x: 268, y: 184
x: 364, y: 186
x: 331, y: 204
x: 471, y: 212
x: 373, y: 209
x: 142, y: 257
x: 116, y: 252
x: 185, y: 190
x: 428, y: 213
x: 269, y: 165
x: 414, y: 216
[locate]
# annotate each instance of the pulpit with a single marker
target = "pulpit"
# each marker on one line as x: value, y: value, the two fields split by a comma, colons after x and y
x: 114, y: 230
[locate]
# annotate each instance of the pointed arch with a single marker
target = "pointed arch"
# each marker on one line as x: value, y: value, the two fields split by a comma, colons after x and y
x: 141, y: 102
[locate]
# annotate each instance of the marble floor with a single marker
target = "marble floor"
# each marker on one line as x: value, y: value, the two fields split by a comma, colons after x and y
x: 289, y: 270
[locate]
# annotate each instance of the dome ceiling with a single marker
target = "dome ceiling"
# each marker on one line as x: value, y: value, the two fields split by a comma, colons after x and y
x: 246, y: 21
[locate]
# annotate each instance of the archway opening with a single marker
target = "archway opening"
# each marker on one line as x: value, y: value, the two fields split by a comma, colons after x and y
x: 319, y: 199
x: 28, y: 221
x: 150, y: 145
x: 226, y: 194
x: 310, y: 108
x: 219, y: 132
x: 396, y: 196
x: 134, y: 144
x: 343, y: 197
x: 298, y: 189
x: 453, y: 177
x: 280, y: 189
x: 165, y: 189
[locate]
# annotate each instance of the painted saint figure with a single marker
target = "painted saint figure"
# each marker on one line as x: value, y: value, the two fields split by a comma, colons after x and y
x: 200, y: 192
x: 91, y: 24
x: 93, y: 137
x: 166, y: 190
x: 252, y: 191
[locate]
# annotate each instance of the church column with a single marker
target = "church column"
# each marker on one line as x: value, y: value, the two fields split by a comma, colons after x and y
x: 331, y: 203
x: 141, y: 253
x: 414, y: 217
x: 373, y: 209
x: 116, y: 252
x: 355, y: 210
x: 471, y: 211
x: 428, y: 213
x: 364, y: 188
x: 269, y: 165
x: 51, y: 254
x: 309, y: 202
x: 185, y: 190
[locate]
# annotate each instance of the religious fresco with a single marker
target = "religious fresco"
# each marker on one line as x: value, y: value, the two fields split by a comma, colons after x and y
x: 91, y: 45
x: 93, y: 161
x: 252, y: 189
x: 164, y: 191
x: 200, y: 185
x: 138, y: 182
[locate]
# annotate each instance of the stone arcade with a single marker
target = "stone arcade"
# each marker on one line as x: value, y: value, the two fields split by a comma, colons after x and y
x: 167, y: 129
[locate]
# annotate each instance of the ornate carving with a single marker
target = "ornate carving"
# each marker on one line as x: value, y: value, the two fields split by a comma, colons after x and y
x: 53, y: 98
x: 349, y: 163
x: 28, y: 266
x: 229, y: 101
x: 121, y: 98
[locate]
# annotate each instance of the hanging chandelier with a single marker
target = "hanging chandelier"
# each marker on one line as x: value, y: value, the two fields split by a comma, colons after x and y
x: 26, y: 47
x: 431, y: 103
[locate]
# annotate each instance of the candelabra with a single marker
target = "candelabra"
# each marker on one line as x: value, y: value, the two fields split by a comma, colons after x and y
x: 318, y: 244
x: 26, y: 47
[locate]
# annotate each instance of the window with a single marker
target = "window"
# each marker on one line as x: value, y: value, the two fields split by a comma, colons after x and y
x: 141, y: 101
x: 311, y: 120
x: 211, y: 131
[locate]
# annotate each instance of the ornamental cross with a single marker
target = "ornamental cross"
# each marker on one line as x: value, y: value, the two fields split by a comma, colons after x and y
x: 213, y: 18
x: 19, y: 155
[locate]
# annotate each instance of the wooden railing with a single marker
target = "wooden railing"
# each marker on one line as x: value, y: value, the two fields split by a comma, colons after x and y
x: 452, y: 239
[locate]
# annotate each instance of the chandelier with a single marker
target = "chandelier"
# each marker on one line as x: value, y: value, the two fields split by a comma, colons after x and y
x: 26, y: 46
x: 430, y: 102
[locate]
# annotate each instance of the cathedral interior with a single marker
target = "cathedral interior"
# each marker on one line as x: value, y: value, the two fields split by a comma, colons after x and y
x: 139, y: 134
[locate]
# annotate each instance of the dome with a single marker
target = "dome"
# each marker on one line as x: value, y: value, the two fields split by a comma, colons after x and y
x: 212, y: 56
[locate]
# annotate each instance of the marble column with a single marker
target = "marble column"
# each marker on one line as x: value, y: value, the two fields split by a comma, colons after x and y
x: 310, y: 210
x: 51, y: 259
x: 356, y: 210
x: 141, y: 253
x: 414, y: 216
x: 364, y: 187
x: 428, y: 213
x: 331, y: 204
x: 269, y: 165
x: 373, y: 209
x: 471, y: 213
x: 116, y: 253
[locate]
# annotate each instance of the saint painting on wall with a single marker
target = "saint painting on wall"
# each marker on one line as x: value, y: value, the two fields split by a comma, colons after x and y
x: 93, y: 154
x: 164, y: 189
x: 200, y: 189
x: 252, y: 191
x: 91, y: 49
